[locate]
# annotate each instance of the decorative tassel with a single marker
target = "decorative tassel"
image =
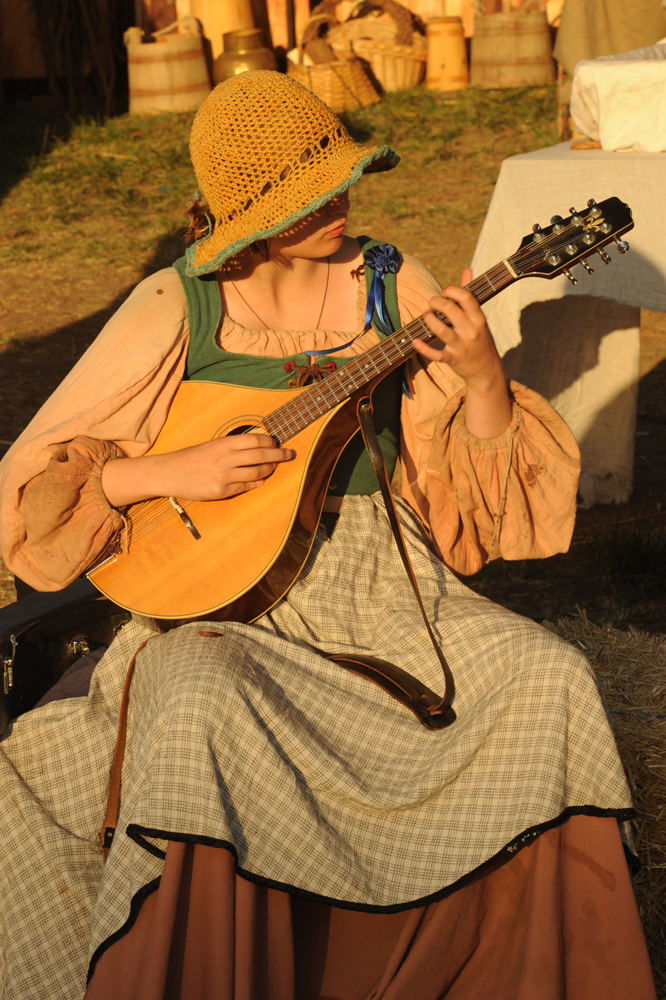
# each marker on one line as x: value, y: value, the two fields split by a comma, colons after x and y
x: 308, y: 373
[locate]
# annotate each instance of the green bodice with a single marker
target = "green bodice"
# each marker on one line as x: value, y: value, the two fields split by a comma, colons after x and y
x: 209, y: 363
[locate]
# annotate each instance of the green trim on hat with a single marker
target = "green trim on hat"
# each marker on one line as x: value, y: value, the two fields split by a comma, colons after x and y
x: 381, y: 153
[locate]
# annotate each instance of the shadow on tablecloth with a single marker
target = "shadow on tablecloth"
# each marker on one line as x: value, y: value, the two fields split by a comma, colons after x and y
x: 582, y: 353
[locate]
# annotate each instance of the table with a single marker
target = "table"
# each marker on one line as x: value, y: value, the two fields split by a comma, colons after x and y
x: 579, y: 346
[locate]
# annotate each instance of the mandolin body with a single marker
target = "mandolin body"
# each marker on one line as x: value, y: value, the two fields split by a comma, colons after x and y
x: 252, y: 546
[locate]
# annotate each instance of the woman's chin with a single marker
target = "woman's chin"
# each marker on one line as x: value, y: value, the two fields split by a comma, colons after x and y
x: 333, y: 243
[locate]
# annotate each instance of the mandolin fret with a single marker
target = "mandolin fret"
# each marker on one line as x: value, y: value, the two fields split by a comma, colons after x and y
x: 321, y: 397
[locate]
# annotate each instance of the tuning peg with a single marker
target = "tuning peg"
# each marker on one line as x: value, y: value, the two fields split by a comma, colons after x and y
x: 554, y: 259
x: 569, y: 275
x: 622, y: 245
x: 590, y: 270
x: 604, y: 256
x: 575, y: 217
x: 556, y: 223
x: 536, y: 229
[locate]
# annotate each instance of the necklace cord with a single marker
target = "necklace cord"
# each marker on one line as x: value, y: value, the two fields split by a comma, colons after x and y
x: 263, y: 322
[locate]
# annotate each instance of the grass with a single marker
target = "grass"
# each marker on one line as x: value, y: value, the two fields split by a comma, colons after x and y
x: 430, y: 122
x: 98, y: 188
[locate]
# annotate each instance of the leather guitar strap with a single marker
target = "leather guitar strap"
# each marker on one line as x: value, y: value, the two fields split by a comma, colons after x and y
x: 113, y: 798
x: 432, y: 710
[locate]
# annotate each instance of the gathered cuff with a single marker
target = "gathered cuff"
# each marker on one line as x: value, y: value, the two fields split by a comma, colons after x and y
x: 471, y: 441
x: 512, y: 496
x: 68, y: 519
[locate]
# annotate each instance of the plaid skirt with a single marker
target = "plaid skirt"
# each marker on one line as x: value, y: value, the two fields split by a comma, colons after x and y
x: 316, y: 780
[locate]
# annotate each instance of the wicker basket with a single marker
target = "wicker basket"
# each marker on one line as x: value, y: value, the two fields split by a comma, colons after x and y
x: 395, y: 67
x: 344, y: 84
x: 394, y: 53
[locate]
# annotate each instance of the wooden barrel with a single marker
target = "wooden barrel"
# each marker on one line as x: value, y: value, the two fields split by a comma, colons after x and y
x: 169, y: 74
x: 446, y: 68
x: 512, y: 50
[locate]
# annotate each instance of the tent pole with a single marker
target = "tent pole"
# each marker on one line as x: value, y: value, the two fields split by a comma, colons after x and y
x: 291, y: 25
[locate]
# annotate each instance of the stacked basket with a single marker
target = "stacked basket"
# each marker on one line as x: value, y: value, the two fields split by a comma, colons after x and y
x: 392, y: 48
x: 343, y: 83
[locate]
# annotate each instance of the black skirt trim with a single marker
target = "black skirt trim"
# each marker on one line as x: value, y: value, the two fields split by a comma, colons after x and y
x: 139, y: 834
x: 137, y: 902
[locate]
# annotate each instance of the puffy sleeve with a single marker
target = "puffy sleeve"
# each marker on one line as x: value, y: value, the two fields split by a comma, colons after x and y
x: 54, y: 517
x: 512, y: 496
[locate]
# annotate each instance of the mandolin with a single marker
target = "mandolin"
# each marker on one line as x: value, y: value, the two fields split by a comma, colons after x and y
x: 233, y: 559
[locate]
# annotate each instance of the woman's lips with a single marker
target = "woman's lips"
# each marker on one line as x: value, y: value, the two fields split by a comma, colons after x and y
x: 338, y: 231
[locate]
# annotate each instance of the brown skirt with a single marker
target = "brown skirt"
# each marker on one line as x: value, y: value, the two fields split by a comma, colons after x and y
x: 557, y: 922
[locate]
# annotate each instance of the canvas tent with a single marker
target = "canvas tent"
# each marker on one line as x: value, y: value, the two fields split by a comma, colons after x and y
x: 592, y: 28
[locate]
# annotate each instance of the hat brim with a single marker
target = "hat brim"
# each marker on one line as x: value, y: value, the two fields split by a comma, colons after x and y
x: 210, y: 253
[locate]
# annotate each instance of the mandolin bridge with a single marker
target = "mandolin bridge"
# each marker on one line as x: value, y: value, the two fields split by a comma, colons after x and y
x: 182, y: 514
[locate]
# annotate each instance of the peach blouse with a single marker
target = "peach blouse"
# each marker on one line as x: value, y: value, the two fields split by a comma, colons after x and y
x: 513, y: 496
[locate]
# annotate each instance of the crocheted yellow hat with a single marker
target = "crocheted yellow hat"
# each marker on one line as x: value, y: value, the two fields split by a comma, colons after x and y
x: 266, y: 153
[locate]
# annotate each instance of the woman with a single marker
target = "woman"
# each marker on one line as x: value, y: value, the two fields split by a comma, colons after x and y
x: 287, y: 829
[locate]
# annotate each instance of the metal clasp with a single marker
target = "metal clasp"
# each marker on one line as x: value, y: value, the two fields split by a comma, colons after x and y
x: 78, y: 646
x: 8, y: 665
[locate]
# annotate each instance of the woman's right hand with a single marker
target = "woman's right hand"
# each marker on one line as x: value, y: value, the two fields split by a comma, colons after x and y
x: 210, y: 471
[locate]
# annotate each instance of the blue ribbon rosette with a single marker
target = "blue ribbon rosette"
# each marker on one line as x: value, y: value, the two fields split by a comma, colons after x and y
x: 383, y: 259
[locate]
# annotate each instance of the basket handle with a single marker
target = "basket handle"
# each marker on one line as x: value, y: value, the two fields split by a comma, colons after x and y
x: 406, y: 21
x: 189, y: 19
x: 311, y: 28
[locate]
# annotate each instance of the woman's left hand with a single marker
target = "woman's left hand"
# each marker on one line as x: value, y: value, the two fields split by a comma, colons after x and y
x: 469, y: 348
x: 470, y: 351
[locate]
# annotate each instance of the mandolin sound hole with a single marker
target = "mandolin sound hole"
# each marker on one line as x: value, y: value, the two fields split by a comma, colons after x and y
x: 243, y: 429
x: 247, y: 429
x: 243, y: 423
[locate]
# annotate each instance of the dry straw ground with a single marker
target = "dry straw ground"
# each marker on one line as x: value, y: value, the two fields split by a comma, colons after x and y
x: 90, y: 206
x: 631, y: 671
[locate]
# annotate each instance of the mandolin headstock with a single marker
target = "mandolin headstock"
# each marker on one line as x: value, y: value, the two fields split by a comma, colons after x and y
x: 565, y: 242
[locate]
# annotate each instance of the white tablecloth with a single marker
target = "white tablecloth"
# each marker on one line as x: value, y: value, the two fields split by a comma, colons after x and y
x: 579, y: 345
x: 620, y: 100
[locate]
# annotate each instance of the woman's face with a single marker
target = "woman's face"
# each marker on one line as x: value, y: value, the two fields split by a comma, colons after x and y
x: 317, y: 235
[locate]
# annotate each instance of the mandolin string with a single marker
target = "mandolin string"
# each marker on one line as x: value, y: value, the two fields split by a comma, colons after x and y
x: 158, y: 511
x: 145, y: 510
x: 152, y: 509
x: 149, y: 525
x: 158, y: 506
x: 388, y: 351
